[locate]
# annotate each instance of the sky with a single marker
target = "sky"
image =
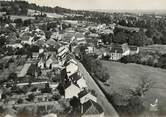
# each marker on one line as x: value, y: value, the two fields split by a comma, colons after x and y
x: 105, y: 4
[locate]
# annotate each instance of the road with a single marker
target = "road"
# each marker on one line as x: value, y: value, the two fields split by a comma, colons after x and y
x: 109, y: 110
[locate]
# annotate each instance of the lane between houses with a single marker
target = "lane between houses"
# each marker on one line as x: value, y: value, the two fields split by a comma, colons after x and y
x: 102, y: 100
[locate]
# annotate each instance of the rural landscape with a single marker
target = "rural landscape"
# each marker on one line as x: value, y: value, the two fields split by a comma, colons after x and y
x: 69, y: 62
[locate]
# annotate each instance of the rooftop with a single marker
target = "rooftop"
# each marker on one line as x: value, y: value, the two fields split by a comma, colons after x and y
x: 90, y: 108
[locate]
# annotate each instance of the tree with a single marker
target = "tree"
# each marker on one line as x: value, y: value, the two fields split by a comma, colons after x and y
x: 126, y: 104
x: 61, y: 89
x: 18, y: 21
x: 95, y: 68
x: 1, y: 66
x: 75, y: 103
x: 20, y: 101
x: 12, y: 76
x: 31, y: 97
x: 162, y: 61
x: 106, y: 38
x: 47, y: 89
x: 120, y: 38
x: 27, y: 22
x: 139, y: 39
x: 56, y: 97
x: 135, y: 106
x: 31, y: 71
x: 3, y: 41
x: 144, y: 85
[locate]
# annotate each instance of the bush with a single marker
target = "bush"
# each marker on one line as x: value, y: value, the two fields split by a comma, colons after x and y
x: 95, y: 68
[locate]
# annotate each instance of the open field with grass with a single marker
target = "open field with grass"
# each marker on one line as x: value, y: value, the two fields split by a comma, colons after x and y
x: 154, y: 48
x: 128, y: 75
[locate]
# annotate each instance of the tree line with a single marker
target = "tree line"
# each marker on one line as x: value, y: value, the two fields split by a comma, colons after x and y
x: 150, y: 59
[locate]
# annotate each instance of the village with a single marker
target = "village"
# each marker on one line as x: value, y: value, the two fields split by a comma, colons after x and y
x: 50, y: 72
x: 42, y: 63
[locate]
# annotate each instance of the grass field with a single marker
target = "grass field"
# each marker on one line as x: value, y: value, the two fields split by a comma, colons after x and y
x: 128, y: 75
x: 154, y: 48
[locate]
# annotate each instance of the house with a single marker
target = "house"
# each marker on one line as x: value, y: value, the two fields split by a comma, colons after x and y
x: 85, y: 96
x: 49, y: 63
x: 53, y: 62
x: 40, y: 42
x: 76, y: 51
x: 82, y: 83
x: 62, y: 52
x: 41, y: 64
x: 129, y: 50
x: 26, y: 38
x: 116, y: 53
x: 91, y: 109
x: 79, y: 80
x: 101, y: 27
x: 71, y: 91
x: 89, y: 50
x: 53, y: 85
x: 80, y: 38
x: 24, y: 70
x: 134, y: 50
x: 41, y: 50
x: 51, y: 42
x: 126, y: 49
x: 16, y: 45
x: 93, y: 35
x: 68, y: 37
x: 71, y: 69
x: 107, y: 31
x: 12, y: 38
x: 35, y: 55
x: 2, y: 14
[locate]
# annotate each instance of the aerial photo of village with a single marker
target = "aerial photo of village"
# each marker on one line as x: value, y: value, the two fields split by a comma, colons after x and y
x: 57, y: 60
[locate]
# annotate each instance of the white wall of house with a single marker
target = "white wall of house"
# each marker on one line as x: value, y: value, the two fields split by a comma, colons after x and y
x: 72, y: 91
x: 71, y: 69
x: 82, y: 83
x: 115, y: 56
x: 41, y: 64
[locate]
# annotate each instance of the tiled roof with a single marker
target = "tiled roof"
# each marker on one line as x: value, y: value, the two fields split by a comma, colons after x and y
x: 75, y: 77
x: 79, y: 35
x: 90, y: 108
x: 67, y: 37
x: 82, y: 93
x: 51, y: 42
x: 116, y: 50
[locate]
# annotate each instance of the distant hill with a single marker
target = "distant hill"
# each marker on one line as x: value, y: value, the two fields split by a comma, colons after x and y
x: 21, y: 8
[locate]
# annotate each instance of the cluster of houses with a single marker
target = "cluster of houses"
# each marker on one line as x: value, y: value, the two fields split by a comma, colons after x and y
x: 115, y: 51
x: 54, y: 61
x: 56, y: 56
x: 75, y: 83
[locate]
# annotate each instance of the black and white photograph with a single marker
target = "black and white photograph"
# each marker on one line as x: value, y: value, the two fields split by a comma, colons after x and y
x: 82, y: 58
